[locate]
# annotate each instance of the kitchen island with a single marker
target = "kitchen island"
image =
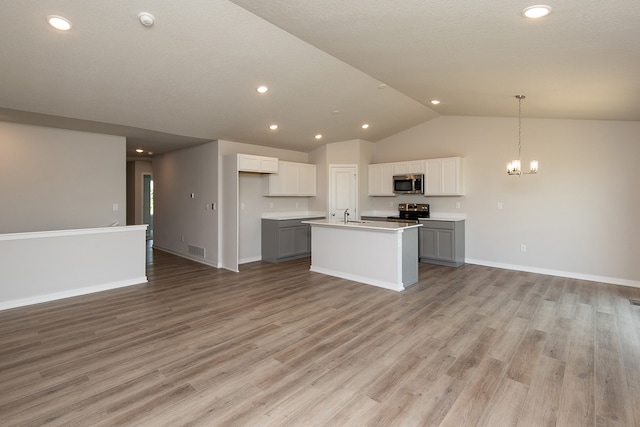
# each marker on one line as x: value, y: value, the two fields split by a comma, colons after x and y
x: 383, y: 254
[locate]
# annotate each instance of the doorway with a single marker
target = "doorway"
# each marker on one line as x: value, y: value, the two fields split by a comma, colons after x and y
x: 343, y: 191
x: 147, y: 203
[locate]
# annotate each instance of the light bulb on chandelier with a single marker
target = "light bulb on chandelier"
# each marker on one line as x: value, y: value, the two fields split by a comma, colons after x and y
x: 514, y: 167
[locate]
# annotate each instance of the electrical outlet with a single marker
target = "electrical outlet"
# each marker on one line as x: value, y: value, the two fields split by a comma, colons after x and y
x: 182, y: 238
x: 523, y: 248
x: 115, y: 207
x: 271, y: 205
x: 499, y: 205
x: 457, y: 205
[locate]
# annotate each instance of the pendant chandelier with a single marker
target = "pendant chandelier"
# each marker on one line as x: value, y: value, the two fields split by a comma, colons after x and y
x: 514, y: 167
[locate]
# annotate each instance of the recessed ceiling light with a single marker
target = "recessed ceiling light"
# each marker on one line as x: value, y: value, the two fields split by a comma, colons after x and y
x: 537, y: 11
x: 59, y: 22
x: 382, y: 86
x: 365, y: 126
x: 262, y: 89
x: 318, y: 136
x: 146, y: 19
x: 139, y: 150
x: 334, y: 112
x: 273, y: 127
x: 435, y: 101
x: 150, y: 153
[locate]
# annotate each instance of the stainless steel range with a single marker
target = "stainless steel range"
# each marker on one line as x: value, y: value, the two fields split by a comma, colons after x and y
x: 410, y: 212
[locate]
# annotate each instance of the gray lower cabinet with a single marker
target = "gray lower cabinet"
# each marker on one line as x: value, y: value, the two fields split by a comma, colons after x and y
x: 442, y: 242
x: 283, y: 240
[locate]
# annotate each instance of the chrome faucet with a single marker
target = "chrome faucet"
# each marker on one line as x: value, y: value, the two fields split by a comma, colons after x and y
x: 346, y: 215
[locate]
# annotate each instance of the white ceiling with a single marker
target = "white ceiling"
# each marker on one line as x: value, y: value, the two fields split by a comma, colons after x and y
x: 192, y: 76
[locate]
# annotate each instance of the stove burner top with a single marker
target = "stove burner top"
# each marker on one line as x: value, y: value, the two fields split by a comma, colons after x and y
x: 410, y: 212
x: 400, y: 219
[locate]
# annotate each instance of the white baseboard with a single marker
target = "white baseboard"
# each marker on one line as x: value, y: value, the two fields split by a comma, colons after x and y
x: 5, y: 305
x: 559, y: 273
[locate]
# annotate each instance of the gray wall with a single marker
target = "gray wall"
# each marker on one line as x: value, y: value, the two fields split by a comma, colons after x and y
x: 196, y: 170
x: 54, y: 179
x: 180, y: 220
x: 577, y: 216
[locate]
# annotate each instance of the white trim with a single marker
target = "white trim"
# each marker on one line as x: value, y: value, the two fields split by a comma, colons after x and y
x: 559, y: 273
x: 141, y: 219
x: 73, y: 232
x: 71, y: 293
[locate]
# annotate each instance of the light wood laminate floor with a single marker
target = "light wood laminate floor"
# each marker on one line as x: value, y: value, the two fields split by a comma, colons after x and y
x: 278, y: 345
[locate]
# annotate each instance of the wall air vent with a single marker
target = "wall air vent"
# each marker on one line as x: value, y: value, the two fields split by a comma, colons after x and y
x: 634, y: 301
x: 196, y: 251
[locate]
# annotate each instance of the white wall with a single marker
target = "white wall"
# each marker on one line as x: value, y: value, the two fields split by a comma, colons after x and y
x: 577, y: 216
x: 49, y: 265
x: 354, y: 152
x: 53, y: 179
x: 318, y: 157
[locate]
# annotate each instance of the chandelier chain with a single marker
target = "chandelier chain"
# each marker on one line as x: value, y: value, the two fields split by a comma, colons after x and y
x: 520, y: 126
x: 515, y: 167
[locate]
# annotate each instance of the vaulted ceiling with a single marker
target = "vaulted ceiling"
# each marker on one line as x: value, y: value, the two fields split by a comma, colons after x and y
x: 330, y: 66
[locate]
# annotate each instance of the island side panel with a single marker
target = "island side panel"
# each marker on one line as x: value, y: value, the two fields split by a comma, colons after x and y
x: 361, y: 255
x: 409, y: 256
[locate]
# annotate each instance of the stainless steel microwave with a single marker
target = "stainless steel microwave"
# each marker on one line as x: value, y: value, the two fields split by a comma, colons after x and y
x: 408, y: 184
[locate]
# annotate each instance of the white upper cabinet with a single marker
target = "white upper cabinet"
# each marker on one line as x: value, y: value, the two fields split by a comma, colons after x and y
x: 443, y: 177
x: 293, y: 179
x: 414, y: 166
x: 259, y: 164
x: 306, y: 179
x: 381, y: 179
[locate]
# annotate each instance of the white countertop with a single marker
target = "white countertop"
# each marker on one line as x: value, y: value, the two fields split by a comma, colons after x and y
x: 285, y: 217
x: 441, y: 219
x: 368, y: 225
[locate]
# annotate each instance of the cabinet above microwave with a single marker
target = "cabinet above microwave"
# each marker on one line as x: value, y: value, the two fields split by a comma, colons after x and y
x: 442, y: 176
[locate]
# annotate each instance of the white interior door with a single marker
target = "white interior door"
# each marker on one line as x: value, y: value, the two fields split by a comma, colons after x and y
x: 343, y: 191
